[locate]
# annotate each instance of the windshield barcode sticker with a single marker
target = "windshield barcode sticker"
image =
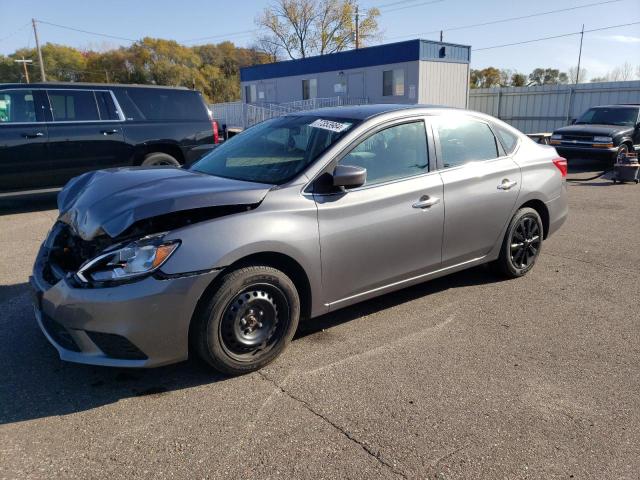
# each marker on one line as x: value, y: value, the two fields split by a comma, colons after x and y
x: 330, y: 125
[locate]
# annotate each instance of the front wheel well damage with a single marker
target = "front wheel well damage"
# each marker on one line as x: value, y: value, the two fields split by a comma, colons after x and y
x: 543, y: 211
x: 280, y: 261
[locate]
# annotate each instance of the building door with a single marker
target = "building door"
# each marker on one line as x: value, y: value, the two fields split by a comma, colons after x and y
x: 355, y: 85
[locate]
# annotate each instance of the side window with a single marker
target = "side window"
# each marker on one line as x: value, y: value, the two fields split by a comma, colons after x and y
x: 73, y: 105
x: 393, y: 82
x: 309, y: 89
x: 17, y: 106
x: 106, y: 107
x: 464, y: 140
x: 393, y: 153
x: 158, y: 104
x: 508, y: 139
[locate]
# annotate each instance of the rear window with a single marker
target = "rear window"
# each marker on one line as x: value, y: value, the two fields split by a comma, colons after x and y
x: 159, y: 105
x: 508, y: 139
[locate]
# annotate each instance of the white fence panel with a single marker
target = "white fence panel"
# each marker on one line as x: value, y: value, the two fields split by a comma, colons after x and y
x: 545, y: 108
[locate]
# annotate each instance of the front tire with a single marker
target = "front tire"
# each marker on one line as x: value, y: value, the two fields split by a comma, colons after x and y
x: 248, y: 321
x: 521, y: 245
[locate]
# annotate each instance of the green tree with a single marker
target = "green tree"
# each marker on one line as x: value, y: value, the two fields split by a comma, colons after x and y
x: 548, y: 76
x: 518, y: 80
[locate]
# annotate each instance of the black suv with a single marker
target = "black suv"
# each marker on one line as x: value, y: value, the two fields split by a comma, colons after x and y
x: 601, y: 132
x: 51, y: 132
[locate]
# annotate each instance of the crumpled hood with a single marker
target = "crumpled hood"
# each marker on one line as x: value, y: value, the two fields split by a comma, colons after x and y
x: 600, y: 130
x: 110, y: 201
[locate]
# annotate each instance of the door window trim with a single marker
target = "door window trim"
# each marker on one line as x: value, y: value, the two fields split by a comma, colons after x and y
x: 54, y: 122
x: 307, y: 189
x: 94, y: 91
x: 439, y: 157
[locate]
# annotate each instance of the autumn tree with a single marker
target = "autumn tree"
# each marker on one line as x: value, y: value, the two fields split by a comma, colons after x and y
x: 573, y: 72
x: 518, y: 79
x: 301, y: 28
x: 548, y: 76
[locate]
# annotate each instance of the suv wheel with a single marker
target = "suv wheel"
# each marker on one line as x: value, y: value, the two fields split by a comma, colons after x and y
x: 622, y: 151
x: 522, y: 244
x: 160, y: 159
x: 248, y: 321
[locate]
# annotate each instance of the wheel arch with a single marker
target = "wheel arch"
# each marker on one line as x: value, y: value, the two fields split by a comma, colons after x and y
x: 286, y: 264
x: 543, y: 211
x: 161, y: 147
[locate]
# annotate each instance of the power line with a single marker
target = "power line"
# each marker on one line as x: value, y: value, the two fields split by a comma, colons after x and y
x: 87, y: 31
x: 510, y: 19
x: 556, y: 36
x: 17, y: 30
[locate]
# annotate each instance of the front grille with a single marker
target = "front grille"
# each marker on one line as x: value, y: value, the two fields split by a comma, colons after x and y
x: 580, y: 138
x: 58, y: 333
x: 116, y: 346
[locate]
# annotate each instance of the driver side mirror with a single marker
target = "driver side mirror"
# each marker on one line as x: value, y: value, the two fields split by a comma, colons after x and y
x: 573, y: 121
x: 349, y: 176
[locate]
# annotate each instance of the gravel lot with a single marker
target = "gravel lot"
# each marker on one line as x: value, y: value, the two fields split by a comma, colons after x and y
x: 464, y: 377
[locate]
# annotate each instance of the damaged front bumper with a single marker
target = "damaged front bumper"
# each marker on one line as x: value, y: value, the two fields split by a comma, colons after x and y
x: 139, y: 324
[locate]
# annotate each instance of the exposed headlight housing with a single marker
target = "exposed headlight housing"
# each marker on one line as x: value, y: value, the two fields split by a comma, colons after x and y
x: 133, y: 260
x: 602, y: 139
x: 556, y: 136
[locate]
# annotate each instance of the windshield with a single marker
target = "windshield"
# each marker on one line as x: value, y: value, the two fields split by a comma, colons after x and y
x: 274, y: 151
x: 610, y: 116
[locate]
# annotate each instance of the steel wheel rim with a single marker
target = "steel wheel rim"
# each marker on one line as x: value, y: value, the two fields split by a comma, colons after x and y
x: 254, y: 321
x: 525, y: 242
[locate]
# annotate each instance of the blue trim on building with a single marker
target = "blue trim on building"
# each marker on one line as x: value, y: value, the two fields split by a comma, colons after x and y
x: 411, y: 50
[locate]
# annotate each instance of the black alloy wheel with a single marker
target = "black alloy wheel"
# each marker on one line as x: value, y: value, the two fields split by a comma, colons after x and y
x: 521, y: 245
x: 525, y: 242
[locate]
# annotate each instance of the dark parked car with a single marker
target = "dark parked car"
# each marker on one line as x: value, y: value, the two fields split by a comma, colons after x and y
x: 52, y: 132
x: 601, y: 132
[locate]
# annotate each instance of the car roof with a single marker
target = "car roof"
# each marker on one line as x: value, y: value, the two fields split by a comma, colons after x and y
x: 72, y: 85
x: 362, y: 112
x: 626, y: 105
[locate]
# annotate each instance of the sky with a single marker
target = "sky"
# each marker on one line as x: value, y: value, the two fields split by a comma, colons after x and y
x: 186, y: 20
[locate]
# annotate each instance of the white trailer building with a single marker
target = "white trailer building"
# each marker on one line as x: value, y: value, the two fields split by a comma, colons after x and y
x: 414, y: 71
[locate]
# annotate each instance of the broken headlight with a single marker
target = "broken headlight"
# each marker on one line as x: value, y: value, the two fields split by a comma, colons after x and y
x: 133, y: 260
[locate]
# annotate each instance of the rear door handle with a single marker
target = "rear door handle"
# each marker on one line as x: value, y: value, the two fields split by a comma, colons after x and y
x: 33, y: 135
x: 507, y: 184
x: 426, y: 202
x: 109, y: 132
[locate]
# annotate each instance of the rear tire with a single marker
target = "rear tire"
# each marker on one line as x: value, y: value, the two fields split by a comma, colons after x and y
x: 521, y: 245
x: 248, y: 321
x: 158, y: 159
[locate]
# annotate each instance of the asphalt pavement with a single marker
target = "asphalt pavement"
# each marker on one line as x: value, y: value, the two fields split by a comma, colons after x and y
x: 465, y: 377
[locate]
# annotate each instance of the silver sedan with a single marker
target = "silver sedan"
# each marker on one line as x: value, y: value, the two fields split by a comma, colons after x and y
x: 295, y: 217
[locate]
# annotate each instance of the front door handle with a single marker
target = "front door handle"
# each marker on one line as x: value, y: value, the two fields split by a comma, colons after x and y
x: 33, y: 135
x: 426, y: 202
x: 507, y: 184
x: 109, y: 132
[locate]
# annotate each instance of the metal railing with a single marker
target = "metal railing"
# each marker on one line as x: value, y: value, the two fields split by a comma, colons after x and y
x: 243, y: 115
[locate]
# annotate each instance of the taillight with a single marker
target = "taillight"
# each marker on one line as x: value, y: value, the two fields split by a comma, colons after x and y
x: 216, y: 136
x: 561, y: 163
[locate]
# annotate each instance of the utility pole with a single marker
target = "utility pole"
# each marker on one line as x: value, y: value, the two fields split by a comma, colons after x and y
x: 440, y: 36
x: 106, y: 75
x: 35, y: 33
x: 24, y: 65
x: 579, y: 55
x: 357, y: 28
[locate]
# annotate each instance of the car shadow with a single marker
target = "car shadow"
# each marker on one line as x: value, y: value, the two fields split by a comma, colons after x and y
x: 35, y: 202
x: 35, y: 383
